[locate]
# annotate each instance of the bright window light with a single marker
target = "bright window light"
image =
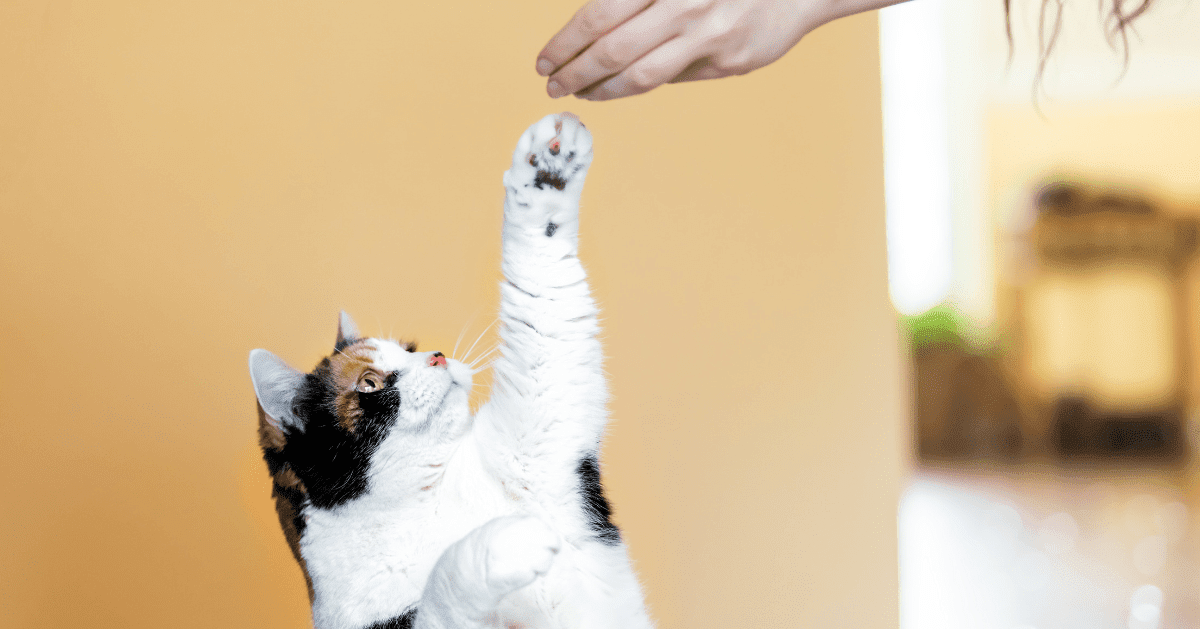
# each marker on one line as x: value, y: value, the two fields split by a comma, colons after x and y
x: 916, y: 154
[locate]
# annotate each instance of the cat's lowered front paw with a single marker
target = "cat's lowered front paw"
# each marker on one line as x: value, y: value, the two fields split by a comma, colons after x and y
x: 519, y: 550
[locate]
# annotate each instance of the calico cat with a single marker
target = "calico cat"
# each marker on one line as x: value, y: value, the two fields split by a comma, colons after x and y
x: 403, y: 509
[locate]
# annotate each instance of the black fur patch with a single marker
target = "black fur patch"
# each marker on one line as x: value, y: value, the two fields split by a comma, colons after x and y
x: 554, y: 180
x: 331, y: 461
x: 403, y: 621
x: 594, y: 502
x: 550, y: 229
x: 298, y: 500
x: 275, y: 460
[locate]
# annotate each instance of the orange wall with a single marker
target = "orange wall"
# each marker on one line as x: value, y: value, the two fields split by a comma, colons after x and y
x: 183, y: 182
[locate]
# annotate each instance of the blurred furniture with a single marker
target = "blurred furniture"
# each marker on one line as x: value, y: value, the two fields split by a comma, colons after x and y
x: 966, y: 409
x: 1089, y: 360
x: 1100, y: 355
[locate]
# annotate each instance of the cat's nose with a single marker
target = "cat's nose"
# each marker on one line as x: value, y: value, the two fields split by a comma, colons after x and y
x: 437, y: 359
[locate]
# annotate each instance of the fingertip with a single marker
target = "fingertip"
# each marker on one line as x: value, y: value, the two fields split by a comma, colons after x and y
x: 555, y: 90
x: 545, y: 67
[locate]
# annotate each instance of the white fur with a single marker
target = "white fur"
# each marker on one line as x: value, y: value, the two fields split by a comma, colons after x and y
x: 479, y: 521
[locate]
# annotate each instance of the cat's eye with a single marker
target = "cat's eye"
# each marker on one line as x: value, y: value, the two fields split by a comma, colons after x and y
x: 369, y: 382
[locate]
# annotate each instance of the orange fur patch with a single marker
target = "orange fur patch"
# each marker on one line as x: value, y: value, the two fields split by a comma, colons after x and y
x: 346, y: 367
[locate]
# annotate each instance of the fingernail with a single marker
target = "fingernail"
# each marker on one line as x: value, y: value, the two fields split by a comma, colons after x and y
x: 554, y: 89
x: 544, y: 67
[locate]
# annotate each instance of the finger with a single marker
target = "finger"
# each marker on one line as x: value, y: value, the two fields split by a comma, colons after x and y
x: 657, y: 67
x: 588, y: 24
x: 615, y: 51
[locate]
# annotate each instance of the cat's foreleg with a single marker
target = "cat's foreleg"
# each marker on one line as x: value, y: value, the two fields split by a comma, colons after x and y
x: 549, y: 391
x: 475, y: 573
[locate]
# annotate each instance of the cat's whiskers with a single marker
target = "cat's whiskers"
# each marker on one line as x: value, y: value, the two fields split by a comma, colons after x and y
x: 461, y: 333
x: 480, y: 357
x: 482, y: 368
x: 485, y: 367
x: 479, y: 338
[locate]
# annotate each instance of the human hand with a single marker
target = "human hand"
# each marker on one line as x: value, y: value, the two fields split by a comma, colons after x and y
x: 616, y: 48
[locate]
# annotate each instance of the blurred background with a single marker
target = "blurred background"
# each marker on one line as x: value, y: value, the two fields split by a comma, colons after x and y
x: 1042, y: 258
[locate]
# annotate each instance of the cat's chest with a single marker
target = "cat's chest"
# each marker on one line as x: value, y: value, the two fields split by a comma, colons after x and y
x: 370, y: 533
x: 388, y: 540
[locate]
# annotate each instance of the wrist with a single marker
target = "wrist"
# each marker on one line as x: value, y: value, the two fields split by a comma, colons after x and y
x: 830, y: 10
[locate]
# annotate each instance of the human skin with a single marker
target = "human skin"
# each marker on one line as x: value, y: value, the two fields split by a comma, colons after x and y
x: 617, y: 48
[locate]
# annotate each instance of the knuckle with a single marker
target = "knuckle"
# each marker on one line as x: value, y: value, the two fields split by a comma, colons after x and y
x: 739, y: 67
x: 730, y: 63
x: 721, y: 26
x: 569, y: 79
x: 606, y: 57
x: 717, y: 40
x: 642, y: 79
x: 694, y: 8
x: 590, y: 20
x: 724, y: 31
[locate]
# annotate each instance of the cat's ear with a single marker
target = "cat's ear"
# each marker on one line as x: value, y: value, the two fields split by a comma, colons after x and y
x: 347, y: 332
x: 275, y: 384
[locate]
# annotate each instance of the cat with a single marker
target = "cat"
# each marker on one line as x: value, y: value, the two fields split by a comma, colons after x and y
x: 402, y: 508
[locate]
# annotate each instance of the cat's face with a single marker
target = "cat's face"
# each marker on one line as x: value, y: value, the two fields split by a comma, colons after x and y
x: 373, y: 383
x: 320, y: 431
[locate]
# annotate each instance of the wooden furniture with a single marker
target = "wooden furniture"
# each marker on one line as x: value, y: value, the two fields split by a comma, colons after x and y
x: 1101, y: 327
x: 1089, y: 362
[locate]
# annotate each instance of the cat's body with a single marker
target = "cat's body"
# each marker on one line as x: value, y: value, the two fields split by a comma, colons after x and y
x: 406, y: 511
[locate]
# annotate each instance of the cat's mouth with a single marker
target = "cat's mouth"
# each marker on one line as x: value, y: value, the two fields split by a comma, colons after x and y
x: 441, y: 405
x: 460, y: 374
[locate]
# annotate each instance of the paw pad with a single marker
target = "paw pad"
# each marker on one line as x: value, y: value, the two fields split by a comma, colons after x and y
x: 549, y: 178
x: 558, y: 148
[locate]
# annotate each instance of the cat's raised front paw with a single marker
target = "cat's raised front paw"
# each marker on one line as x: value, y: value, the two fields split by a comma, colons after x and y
x: 519, y: 550
x: 553, y: 154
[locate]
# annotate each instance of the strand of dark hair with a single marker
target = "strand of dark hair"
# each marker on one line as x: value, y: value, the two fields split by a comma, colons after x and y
x: 1117, y: 20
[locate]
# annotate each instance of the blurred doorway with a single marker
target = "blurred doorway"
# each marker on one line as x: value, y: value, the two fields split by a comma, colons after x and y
x: 1053, y: 349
